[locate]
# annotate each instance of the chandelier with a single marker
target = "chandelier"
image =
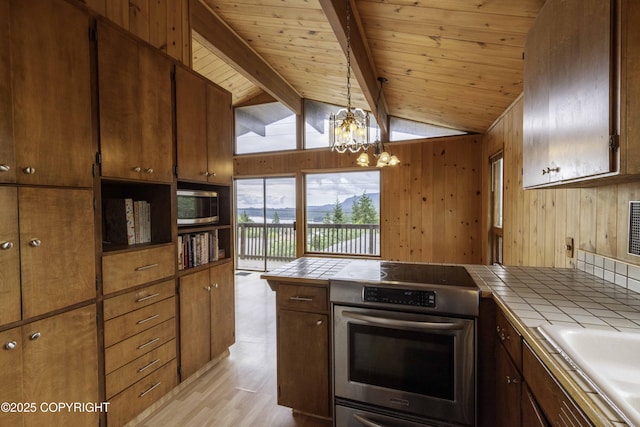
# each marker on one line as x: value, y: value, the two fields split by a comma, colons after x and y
x: 349, y: 127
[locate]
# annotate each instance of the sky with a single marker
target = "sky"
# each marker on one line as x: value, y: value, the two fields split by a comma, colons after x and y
x: 322, y: 189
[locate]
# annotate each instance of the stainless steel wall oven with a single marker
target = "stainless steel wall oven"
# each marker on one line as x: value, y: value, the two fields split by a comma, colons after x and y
x: 403, y: 350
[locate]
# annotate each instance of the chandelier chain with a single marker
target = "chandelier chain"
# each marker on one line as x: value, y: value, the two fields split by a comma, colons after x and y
x: 348, y: 55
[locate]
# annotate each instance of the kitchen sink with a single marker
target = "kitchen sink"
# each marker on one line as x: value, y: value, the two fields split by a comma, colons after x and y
x: 608, y: 360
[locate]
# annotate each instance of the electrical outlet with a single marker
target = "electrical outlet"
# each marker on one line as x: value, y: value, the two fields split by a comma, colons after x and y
x: 568, y: 247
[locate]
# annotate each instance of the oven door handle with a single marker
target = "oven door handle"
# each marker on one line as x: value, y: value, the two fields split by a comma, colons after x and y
x: 439, y: 326
x: 366, y: 421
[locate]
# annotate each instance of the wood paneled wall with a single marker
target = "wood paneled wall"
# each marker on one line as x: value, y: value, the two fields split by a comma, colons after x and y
x: 162, y: 23
x: 431, y: 204
x: 536, y: 222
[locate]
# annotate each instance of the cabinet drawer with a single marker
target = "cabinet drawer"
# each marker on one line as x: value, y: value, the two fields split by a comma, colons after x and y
x: 137, y: 369
x: 139, y: 396
x: 127, y: 269
x: 125, y: 351
x: 130, y: 324
x: 305, y: 298
x: 557, y: 406
x: 141, y: 298
x: 510, y: 338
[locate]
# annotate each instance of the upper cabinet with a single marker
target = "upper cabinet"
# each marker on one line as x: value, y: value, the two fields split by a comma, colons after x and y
x: 581, y: 93
x: 134, y: 84
x: 203, y: 122
x: 45, y: 102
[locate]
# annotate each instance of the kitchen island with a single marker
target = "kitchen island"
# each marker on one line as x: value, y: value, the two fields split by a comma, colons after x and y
x: 525, y: 296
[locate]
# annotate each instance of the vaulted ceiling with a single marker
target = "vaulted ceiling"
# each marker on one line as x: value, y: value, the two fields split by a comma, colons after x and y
x: 452, y: 63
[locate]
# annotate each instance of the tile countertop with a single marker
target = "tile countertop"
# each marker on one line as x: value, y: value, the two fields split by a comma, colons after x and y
x: 530, y: 297
x: 533, y: 296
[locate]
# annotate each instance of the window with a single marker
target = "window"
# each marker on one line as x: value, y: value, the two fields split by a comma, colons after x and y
x: 316, y: 123
x: 343, y: 213
x: 265, y: 127
x: 496, y: 208
x: 402, y: 129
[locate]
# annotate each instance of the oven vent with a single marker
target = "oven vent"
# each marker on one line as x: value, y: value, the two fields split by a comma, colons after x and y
x: 634, y: 227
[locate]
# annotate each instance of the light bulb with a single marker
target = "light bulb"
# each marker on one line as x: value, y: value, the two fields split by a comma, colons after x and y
x: 363, y: 159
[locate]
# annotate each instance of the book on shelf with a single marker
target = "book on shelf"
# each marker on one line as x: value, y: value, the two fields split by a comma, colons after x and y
x: 196, y: 249
x: 127, y: 222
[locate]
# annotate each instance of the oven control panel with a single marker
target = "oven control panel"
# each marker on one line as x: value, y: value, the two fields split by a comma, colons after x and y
x: 399, y: 296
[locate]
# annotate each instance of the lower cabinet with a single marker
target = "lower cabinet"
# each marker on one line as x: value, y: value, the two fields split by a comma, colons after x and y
x: 207, y: 316
x: 48, y: 361
x: 140, y: 349
x: 303, y: 349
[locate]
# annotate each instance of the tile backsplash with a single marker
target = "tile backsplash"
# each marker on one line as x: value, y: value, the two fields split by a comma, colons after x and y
x: 611, y: 270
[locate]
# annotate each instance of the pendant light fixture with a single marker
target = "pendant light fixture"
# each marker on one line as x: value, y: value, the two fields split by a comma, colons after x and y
x: 349, y: 127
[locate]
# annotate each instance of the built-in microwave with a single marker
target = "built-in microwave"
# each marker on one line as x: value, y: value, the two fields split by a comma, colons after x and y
x: 197, y: 207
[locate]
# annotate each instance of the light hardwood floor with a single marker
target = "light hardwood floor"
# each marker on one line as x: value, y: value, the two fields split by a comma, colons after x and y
x: 240, y: 391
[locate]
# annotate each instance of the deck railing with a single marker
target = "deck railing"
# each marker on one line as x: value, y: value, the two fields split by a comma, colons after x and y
x: 362, y: 239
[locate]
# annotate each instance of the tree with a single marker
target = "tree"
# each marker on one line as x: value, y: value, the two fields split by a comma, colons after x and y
x: 337, y: 216
x: 243, y: 217
x: 276, y: 218
x: 364, y: 212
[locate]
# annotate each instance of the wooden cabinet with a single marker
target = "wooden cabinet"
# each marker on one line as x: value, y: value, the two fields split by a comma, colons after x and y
x: 532, y: 415
x: 127, y: 269
x: 37, y: 357
x: 303, y: 348
x: 581, y: 93
x: 140, y: 349
x: 134, y: 82
x: 42, y: 270
x: 203, y: 122
x: 508, y: 389
x: 45, y: 98
x: 207, y: 316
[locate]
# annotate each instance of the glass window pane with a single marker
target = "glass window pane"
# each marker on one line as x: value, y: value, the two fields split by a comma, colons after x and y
x: 265, y: 127
x: 343, y: 213
x: 402, y: 129
x: 497, y: 192
x: 316, y: 123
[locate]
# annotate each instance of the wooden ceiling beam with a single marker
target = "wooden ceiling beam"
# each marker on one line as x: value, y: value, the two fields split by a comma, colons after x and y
x: 361, y: 63
x: 225, y: 43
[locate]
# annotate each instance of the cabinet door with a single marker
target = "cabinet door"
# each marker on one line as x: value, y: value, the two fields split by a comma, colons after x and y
x: 508, y: 384
x: 51, y: 93
x: 532, y: 415
x: 195, y: 322
x: 7, y: 155
x: 156, y: 115
x: 191, y: 125
x: 219, y: 135
x: 57, y: 248
x: 223, y: 315
x: 9, y: 256
x: 11, y: 368
x: 119, y: 103
x: 303, y: 361
x: 61, y: 365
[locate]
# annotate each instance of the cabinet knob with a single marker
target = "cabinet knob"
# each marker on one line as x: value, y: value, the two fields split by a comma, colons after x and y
x: 10, y: 345
x: 149, y: 171
x: 512, y: 380
x: 208, y: 288
x: 29, y: 170
x: 4, y: 168
x: 215, y: 285
x: 34, y: 243
x: 137, y: 169
x: 6, y: 245
x: 319, y: 322
x: 34, y: 336
x: 210, y: 173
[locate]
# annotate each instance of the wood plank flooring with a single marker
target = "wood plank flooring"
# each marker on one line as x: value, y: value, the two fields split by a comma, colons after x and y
x: 240, y: 391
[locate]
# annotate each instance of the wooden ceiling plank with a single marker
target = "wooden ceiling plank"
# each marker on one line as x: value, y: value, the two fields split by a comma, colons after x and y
x: 521, y: 8
x: 218, y: 37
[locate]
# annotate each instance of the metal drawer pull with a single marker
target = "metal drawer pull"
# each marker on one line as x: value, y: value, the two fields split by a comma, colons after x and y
x: 146, y: 267
x: 298, y: 298
x: 149, y: 170
x: 144, y: 368
x: 512, y: 380
x: 140, y: 322
x: 147, y: 297
x: 148, y: 343
x: 29, y: 170
x: 137, y: 169
x: 150, y: 389
x: 10, y: 345
x: 34, y: 336
x: 34, y: 243
x: 445, y: 326
x: 6, y: 245
x: 4, y: 168
x: 366, y: 421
